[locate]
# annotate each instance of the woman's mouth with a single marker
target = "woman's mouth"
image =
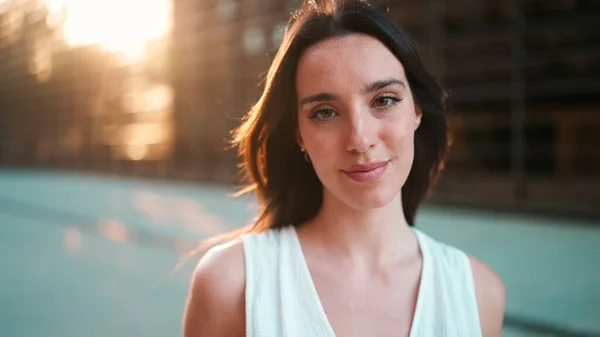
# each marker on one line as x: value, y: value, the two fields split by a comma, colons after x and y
x: 367, y: 172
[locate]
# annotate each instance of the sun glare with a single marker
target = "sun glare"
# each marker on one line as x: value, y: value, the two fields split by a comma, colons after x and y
x: 120, y: 26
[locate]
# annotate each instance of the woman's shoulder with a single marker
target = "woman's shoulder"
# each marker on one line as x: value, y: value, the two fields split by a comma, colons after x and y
x: 223, y: 267
x: 215, y: 304
x: 491, y: 297
x: 488, y: 287
x: 223, y: 263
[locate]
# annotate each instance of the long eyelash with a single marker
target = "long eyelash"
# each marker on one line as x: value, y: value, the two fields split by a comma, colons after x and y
x: 313, y: 115
x: 394, y: 98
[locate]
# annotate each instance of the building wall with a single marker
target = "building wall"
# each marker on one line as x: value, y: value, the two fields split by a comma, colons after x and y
x: 523, y: 78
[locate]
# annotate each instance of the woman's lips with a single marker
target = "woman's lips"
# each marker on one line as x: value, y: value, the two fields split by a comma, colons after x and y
x: 367, y: 172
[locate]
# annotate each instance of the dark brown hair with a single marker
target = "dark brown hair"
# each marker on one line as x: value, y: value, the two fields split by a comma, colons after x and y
x: 286, y: 186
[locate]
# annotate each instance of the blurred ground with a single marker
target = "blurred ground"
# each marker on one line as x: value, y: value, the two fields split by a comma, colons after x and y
x: 91, y: 256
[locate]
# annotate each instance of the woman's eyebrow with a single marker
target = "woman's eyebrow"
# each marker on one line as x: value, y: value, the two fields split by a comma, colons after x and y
x: 322, y: 97
x: 377, y: 85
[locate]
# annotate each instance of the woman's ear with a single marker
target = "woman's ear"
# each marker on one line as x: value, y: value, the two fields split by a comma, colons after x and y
x: 418, y: 116
x: 299, y: 139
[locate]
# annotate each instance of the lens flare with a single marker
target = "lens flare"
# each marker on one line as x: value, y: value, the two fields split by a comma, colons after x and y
x: 120, y: 26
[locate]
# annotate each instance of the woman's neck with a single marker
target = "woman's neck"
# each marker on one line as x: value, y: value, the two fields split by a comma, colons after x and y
x: 370, y: 238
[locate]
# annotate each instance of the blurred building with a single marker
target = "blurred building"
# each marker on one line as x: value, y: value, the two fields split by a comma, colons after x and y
x: 524, y: 79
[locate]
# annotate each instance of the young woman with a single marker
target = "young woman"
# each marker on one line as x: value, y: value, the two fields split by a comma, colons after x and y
x: 341, y: 148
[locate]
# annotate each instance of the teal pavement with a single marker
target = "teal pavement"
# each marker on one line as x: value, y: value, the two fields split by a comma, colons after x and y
x: 85, y: 255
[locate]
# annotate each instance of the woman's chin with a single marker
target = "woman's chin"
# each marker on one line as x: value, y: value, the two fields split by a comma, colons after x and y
x: 371, y: 199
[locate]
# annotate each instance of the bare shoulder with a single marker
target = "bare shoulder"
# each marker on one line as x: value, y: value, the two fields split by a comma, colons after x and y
x: 491, y: 298
x: 215, y: 304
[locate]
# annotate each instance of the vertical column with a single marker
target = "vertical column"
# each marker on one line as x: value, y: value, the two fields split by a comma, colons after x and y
x: 438, y: 36
x: 517, y: 112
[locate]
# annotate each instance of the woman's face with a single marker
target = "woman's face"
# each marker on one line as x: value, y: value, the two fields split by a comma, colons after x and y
x: 356, y: 119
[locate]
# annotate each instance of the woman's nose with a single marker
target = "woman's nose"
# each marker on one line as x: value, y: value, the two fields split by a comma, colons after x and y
x: 361, y: 134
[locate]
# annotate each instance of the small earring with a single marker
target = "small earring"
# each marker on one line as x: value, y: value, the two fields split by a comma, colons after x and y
x: 306, y: 157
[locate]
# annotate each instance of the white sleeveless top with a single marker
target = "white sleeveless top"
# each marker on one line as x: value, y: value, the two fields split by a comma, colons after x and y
x: 281, y: 298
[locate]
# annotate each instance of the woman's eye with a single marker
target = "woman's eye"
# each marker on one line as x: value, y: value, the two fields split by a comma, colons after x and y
x: 386, y: 101
x: 323, y: 114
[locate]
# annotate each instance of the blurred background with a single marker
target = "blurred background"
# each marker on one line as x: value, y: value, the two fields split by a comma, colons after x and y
x: 114, y: 119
